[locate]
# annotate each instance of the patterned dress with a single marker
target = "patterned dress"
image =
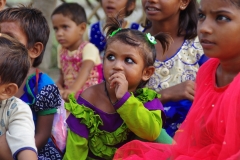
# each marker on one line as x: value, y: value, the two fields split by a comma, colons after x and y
x: 71, y: 64
x: 94, y: 134
x: 180, y: 67
x: 43, y: 97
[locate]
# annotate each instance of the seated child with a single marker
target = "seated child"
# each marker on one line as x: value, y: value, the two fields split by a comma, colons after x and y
x: 30, y: 27
x: 111, y: 8
x: 15, y: 115
x: 78, y: 60
x: 211, y: 128
x: 109, y: 114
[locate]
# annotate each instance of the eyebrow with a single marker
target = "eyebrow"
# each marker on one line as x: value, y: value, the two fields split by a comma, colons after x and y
x: 217, y: 12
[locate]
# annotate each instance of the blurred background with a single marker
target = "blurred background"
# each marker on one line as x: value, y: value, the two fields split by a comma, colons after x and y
x: 94, y: 13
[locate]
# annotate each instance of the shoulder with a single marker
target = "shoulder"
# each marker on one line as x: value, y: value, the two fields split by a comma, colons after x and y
x: 17, y: 106
x: 92, y: 92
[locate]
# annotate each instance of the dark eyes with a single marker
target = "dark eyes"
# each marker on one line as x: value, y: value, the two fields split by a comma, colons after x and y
x: 111, y: 57
x: 220, y: 17
x: 201, y: 16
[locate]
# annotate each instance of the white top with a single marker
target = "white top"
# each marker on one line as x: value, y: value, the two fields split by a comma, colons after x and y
x: 180, y: 67
x: 17, y: 122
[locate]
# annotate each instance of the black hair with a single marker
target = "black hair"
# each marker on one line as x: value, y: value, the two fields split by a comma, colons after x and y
x: 14, y: 61
x: 128, y: 12
x: 32, y: 23
x: 72, y: 10
x: 188, y: 19
x: 136, y: 39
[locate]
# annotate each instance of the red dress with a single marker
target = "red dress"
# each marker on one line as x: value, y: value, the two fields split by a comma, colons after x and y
x: 211, y: 129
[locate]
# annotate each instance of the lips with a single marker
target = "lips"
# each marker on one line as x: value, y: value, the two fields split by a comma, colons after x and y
x: 110, y: 9
x: 61, y: 41
x: 207, y: 44
x: 151, y: 10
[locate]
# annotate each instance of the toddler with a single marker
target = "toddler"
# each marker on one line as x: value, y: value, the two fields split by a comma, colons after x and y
x: 79, y: 60
x: 15, y: 115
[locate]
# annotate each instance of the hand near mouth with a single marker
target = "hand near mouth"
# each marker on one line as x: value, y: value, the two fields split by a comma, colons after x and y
x: 120, y: 83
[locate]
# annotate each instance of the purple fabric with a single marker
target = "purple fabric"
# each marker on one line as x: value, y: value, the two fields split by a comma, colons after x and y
x: 77, y: 127
x: 122, y: 100
x: 111, y: 122
x: 154, y: 105
x: 22, y: 149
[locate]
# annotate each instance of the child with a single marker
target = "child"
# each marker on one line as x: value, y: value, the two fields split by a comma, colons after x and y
x: 211, y: 129
x: 15, y: 115
x: 109, y: 114
x: 79, y: 60
x: 30, y: 27
x: 111, y: 8
x: 176, y: 69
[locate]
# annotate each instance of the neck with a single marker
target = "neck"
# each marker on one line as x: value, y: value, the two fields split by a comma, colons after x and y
x: 110, y: 93
x: 170, y: 27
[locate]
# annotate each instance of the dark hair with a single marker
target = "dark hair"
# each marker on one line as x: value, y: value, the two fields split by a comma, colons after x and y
x: 187, y: 21
x: 14, y: 60
x: 128, y: 12
x: 136, y: 39
x: 33, y: 24
x: 72, y: 10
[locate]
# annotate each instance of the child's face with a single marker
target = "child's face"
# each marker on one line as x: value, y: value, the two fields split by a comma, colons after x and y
x: 219, y: 28
x: 161, y: 9
x: 120, y: 57
x: 112, y: 7
x: 14, y: 30
x: 67, y: 32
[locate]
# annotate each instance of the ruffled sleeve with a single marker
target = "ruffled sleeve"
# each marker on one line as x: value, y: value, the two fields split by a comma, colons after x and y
x: 145, y: 123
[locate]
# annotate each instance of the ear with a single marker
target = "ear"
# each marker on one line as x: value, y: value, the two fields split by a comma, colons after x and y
x: 82, y: 28
x: 8, y: 90
x: 35, y: 51
x: 148, y: 72
x: 184, y: 4
x: 2, y: 4
x: 131, y: 6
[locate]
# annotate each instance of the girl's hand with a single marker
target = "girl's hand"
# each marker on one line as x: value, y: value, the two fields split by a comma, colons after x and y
x: 66, y: 93
x: 184, y: 90
x: 120, y: 83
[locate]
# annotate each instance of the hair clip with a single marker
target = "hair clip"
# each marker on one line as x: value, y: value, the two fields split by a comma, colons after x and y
x: 114, y: 32
x: 151, y: 38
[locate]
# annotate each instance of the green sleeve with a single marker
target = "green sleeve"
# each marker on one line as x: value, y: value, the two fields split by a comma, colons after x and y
x: 76, y: 147
x: 142, y: 122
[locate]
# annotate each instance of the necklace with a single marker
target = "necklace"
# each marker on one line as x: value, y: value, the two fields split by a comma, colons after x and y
x: 105, y: 86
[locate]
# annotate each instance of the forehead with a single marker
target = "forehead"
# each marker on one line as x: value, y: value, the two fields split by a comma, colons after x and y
x: 220, y: 4
x: 61, y: 19
x: 119, y: 47
x: 13, y: 29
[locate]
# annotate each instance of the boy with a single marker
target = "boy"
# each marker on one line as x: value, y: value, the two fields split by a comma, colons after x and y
x: 30, y: 27
x: 16, y: 118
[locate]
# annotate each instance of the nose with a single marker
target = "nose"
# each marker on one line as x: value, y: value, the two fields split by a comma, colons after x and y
x: 205, y: 26
x: 118, y: 65
x: 59, y: 32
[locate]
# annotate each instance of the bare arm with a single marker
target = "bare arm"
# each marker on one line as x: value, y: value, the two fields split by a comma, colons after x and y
x: 5, y: 152
x: 43, y: 130
x: 81, y: 79
x: 60, y: 82
x: 27, y: 155
x: 184, y: 90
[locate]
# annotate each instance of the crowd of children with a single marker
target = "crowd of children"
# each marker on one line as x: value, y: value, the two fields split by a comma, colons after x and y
x: 127, y: 90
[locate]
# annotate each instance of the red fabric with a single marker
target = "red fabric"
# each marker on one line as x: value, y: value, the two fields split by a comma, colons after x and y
x: 210, y: 130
